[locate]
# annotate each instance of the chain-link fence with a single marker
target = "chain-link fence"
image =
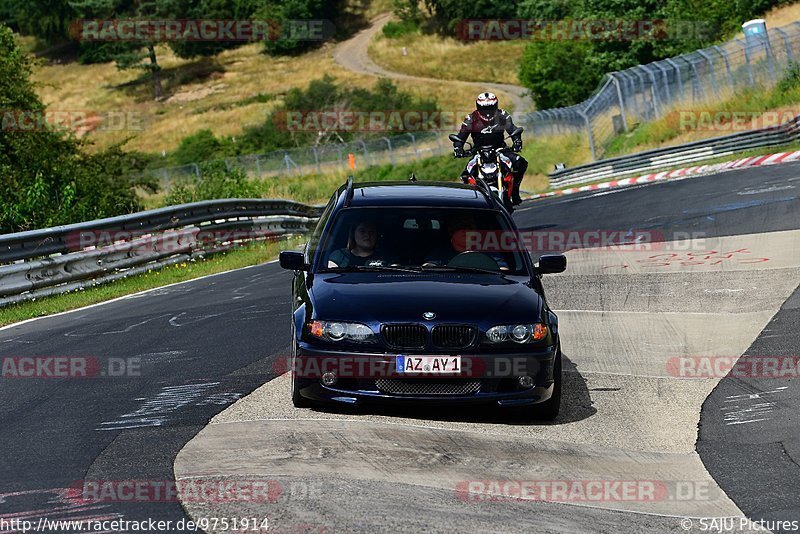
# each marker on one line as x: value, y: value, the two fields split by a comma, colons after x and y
x: 323, y: 158
x: 639, y: 94
x: 647, y: 92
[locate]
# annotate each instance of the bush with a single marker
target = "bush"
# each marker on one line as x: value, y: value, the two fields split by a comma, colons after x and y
x: 393, y: 29
x: 790, y: 79
x: 197, y: 147
x: 216, y: 181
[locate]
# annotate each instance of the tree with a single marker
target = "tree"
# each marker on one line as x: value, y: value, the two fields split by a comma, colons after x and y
x: 282, y: 12
x: 448, y: 13
x: 48, y: 20
x: 558, y: 73
x: 127, y: 54
x: 45, y: 179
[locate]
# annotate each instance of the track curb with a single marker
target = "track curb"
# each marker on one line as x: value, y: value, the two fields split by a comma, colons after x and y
x: 754, y: 161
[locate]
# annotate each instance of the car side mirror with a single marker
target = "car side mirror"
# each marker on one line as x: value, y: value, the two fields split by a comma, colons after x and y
x: 552, y: 264
x: 292, y: 260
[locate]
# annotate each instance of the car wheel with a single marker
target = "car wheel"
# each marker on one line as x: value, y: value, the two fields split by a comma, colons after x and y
x: 548, y: 410
x: 298, y: 400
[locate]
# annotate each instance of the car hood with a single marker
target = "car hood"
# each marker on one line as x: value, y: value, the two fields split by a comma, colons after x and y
x: 397, y: 297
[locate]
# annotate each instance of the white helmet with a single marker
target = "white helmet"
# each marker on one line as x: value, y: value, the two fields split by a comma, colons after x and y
x: 486, y: 104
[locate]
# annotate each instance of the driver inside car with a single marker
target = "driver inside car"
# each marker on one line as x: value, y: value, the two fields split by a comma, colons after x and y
x: 362, y: 247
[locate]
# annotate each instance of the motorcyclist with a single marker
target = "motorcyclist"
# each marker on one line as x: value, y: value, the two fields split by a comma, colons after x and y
x: 488, y: 125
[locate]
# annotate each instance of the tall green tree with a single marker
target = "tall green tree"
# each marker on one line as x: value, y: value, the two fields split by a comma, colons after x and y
x: 45, y: 177
x: 127, y: 54
x: 282, y: 12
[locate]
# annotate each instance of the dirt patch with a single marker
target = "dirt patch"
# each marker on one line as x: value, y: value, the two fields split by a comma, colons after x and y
x: 198, y: 93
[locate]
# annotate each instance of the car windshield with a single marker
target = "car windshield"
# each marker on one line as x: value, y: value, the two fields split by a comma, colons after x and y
x: 420, y: 239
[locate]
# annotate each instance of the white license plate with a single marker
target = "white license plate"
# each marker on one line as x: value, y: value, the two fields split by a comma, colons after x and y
x: 429, y: 365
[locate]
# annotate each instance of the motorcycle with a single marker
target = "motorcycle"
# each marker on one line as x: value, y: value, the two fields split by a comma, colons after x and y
x: 492, y: 167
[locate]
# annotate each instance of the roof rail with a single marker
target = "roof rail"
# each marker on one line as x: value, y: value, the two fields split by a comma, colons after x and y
x: 348, y: 191
x: 484, y: 187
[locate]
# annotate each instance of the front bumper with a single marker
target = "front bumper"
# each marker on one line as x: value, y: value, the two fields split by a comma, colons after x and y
x: 362, y: 378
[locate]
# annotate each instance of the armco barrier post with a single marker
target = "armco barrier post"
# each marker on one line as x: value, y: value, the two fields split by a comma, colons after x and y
x: 665, y: 73
x: 768, y: 51
x: 391, y: 152
x: 786, y: 43
x: 653, y: 91
x: 678, y: 77
x: 632, y: 93
x: 747, y: 60
x: 316, y: 159
x: 621, y: 102
x: 710, y: 71
x: 286, y: 162
x: 414, y: 144
x: 589, y: 134
x: 697, y: 85
x: 721, y: 51
x: 366, y: 152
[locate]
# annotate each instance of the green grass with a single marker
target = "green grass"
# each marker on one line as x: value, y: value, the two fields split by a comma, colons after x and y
x: 225, y: 261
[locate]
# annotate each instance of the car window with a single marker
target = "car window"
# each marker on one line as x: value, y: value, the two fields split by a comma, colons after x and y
x: 464, y: 238
x: 313, y: 241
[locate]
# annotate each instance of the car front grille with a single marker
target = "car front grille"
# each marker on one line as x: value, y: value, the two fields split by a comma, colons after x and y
x: 400, y: 386
x: 405, y: 336
x: 453, y: 336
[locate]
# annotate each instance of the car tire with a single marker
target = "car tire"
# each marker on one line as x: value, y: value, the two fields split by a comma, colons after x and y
x: 297, y: 399
x: 548, y: 410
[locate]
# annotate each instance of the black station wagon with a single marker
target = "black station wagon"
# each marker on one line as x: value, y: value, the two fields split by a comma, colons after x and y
x: 417, y: 292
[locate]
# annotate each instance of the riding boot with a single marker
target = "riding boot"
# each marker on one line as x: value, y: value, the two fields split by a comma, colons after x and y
x: 515, y: 198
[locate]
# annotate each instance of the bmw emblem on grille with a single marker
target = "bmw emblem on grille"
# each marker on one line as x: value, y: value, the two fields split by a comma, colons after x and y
x: 429, y: 316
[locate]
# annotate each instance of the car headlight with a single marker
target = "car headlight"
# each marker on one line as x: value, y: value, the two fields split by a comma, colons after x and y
x: 341, y: 331
x: 518, y: 333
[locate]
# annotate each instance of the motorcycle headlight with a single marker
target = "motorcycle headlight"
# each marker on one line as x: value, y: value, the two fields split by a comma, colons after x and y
x: 518, y: 333
x: 341, y: 331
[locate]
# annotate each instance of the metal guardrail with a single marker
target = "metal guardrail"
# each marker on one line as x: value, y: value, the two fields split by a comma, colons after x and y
x: 662, y: 158
x: 57, y: 260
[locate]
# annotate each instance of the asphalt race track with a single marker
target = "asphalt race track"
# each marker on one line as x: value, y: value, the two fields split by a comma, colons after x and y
x: 722, y: 282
